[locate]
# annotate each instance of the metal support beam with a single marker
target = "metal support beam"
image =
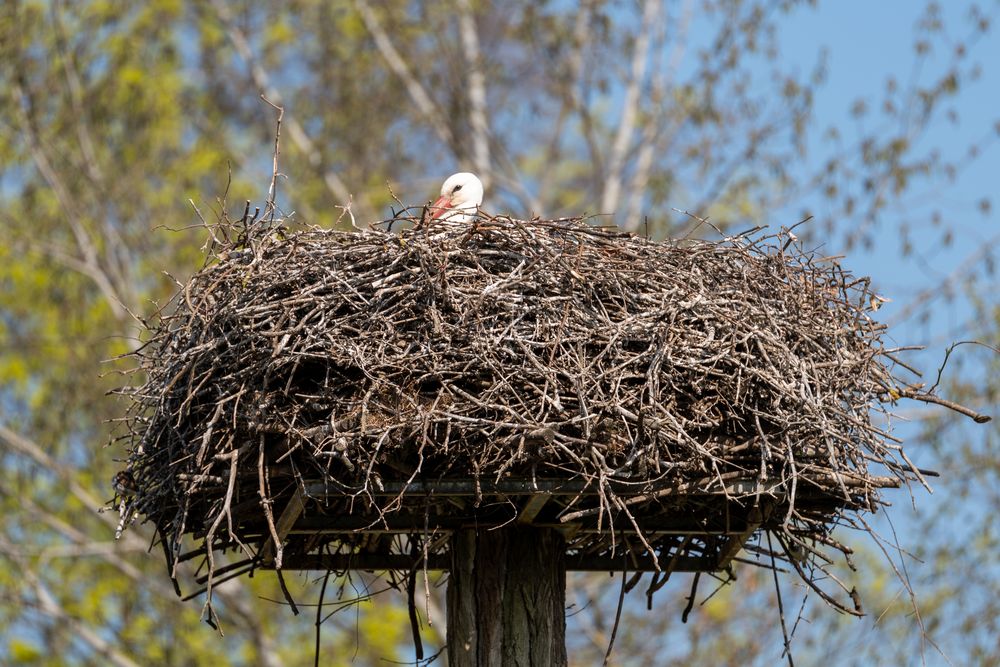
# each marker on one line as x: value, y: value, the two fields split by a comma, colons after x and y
x: 378, y: 562
x: 709, y: 486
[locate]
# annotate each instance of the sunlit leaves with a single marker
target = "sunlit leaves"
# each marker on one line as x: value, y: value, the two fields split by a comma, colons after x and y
x: 139, y: 107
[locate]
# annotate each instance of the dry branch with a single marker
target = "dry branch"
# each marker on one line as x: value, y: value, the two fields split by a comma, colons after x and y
x: 371, y: 391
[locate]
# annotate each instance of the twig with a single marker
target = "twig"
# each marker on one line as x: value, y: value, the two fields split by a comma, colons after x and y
x: 781, y: 607
x: 272, y: 189
x: 624, y: 379
x: 947, y: 354
x: 319, y: 617
x: 476, y: 88
x: 618, y: 614
x: 924, y: 397
x: 690, y: 598
x: 262, y: 80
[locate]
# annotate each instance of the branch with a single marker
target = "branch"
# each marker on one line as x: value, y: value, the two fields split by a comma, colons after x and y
x: 914, y: 395
x: 581, y: 36
x: 16, y: 442
x: 476, y: 92
x: 115, y: 246
x: 66, y: 624
x: 108, y: 552
x: 92, y: 167
x: 967, y: 266
x: 262, y: 81
x: 396, y: 63
x: 83, y: 241
x: 233, y: 595
x: 630, y: 107
x: 272, y: 191
x: 651, y: 143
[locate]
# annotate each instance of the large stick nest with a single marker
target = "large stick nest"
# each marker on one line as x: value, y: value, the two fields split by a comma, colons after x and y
x: 690, y: 395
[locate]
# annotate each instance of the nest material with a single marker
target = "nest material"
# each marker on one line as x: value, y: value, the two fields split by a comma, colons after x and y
x: 666, y: 400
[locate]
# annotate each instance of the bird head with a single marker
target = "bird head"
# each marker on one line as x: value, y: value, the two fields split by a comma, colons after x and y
x: 460, y: 197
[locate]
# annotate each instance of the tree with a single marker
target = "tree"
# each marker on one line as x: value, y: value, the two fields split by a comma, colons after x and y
x: 113, y: 118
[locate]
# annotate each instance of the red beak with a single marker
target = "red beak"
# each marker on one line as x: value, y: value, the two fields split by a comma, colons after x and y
x: 440, y: 207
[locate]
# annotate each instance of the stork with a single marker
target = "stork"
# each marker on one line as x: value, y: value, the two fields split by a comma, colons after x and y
x: 460, y: 198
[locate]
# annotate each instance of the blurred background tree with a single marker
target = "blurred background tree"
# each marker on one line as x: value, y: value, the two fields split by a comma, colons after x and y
x: 116, y: 116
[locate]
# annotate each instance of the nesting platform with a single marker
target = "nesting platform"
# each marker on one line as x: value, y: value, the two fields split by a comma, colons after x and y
x: 345, y: 400
x: 691, y: 527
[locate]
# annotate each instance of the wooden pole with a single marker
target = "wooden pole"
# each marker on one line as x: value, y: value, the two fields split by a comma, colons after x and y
x: 507, y: 598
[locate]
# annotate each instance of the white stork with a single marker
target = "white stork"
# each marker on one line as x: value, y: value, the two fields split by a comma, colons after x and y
x: 460, y: 198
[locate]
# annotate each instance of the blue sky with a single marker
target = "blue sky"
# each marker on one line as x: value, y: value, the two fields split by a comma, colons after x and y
x: 868, y: 41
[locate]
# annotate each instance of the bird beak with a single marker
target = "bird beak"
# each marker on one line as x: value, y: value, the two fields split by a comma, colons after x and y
x: 440, y: 207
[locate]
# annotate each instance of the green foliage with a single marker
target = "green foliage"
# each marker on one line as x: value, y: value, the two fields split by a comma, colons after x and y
x: 113, y: 115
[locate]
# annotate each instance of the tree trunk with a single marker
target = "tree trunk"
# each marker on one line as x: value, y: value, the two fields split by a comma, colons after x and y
x: 506, y: 598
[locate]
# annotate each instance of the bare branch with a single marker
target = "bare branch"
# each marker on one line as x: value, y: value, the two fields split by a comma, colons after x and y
x: 272, y: 191
x: 92, y: 166
x: 652, y: 133
x: 296, y: 132
x: 18, y: 443
x: 915, y: 395
x: 581, y: 37
x: 67, y: 624
x: 396, y: 63
x: 84, y: 243
x: 947, y: 355
x: 962, y: 271
x: 232, y: 595
x: 116, y: 250
x: 476, y: 92
x: 630, y: 106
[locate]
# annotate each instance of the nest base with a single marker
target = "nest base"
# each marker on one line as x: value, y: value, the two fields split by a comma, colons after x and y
x: 329, y: 400
x: 689, y: 530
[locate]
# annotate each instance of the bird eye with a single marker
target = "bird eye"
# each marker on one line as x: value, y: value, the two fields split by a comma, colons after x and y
x: 457, y: 188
